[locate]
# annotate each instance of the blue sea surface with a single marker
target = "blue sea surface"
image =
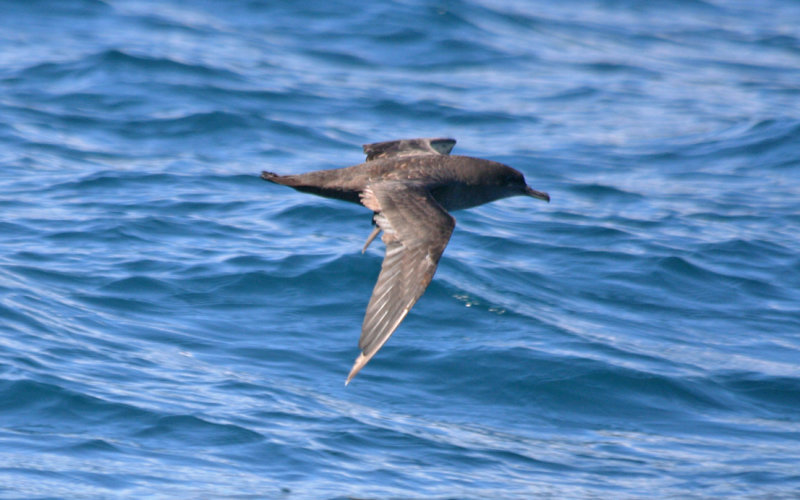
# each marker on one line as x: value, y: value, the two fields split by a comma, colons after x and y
x: 171, y: 326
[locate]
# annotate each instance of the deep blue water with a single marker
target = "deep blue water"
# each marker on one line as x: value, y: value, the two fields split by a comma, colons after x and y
x: 171, y: 326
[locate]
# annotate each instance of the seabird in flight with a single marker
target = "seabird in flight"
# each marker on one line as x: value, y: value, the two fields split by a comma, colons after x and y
x: 410, y: 185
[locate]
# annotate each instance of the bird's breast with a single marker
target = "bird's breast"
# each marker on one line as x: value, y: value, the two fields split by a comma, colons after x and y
x: 458, y: 196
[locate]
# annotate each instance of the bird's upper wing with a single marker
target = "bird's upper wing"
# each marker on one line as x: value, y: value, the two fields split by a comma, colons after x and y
x: 416, y: 230
x: 409, y: 147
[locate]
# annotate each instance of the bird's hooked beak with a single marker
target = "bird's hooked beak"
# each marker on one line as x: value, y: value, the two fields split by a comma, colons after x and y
x: 537, y: 194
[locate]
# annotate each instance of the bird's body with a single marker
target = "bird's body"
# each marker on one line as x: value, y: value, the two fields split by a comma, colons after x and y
x: 454, y: 181
x: 410, y: 185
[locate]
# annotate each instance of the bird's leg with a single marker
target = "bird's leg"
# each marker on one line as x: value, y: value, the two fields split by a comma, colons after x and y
x: 375, y: 231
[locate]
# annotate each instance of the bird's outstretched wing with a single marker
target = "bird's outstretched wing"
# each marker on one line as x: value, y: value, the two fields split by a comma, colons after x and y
x: 409, y: 147
x: 416, y: 230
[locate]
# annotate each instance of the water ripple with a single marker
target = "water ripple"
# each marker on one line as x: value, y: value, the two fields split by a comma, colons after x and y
x: 172, y: 326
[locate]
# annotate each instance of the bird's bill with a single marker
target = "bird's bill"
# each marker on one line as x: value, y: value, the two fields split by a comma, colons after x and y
x: 537, y: 194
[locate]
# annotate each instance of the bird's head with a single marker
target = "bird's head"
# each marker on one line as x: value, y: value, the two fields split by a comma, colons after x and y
x: 512, y: 183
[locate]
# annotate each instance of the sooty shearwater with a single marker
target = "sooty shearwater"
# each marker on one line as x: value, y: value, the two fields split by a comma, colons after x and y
x: 410, y: 185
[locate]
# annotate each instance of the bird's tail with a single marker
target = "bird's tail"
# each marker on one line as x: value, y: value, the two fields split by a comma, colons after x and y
x: 285, y: 180
x: 269, y: 176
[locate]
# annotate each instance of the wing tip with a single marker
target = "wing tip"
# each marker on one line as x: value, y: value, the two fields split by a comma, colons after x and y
x: 361, y: 361
x: 408, y: 147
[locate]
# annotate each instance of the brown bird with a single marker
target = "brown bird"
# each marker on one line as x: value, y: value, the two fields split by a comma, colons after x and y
x: 410, y: 185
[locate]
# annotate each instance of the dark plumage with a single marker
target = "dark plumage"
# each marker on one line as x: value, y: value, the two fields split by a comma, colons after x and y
x: 410, y: 185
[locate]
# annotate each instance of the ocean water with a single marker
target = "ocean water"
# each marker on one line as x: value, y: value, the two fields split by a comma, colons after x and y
x: 171, y: 326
